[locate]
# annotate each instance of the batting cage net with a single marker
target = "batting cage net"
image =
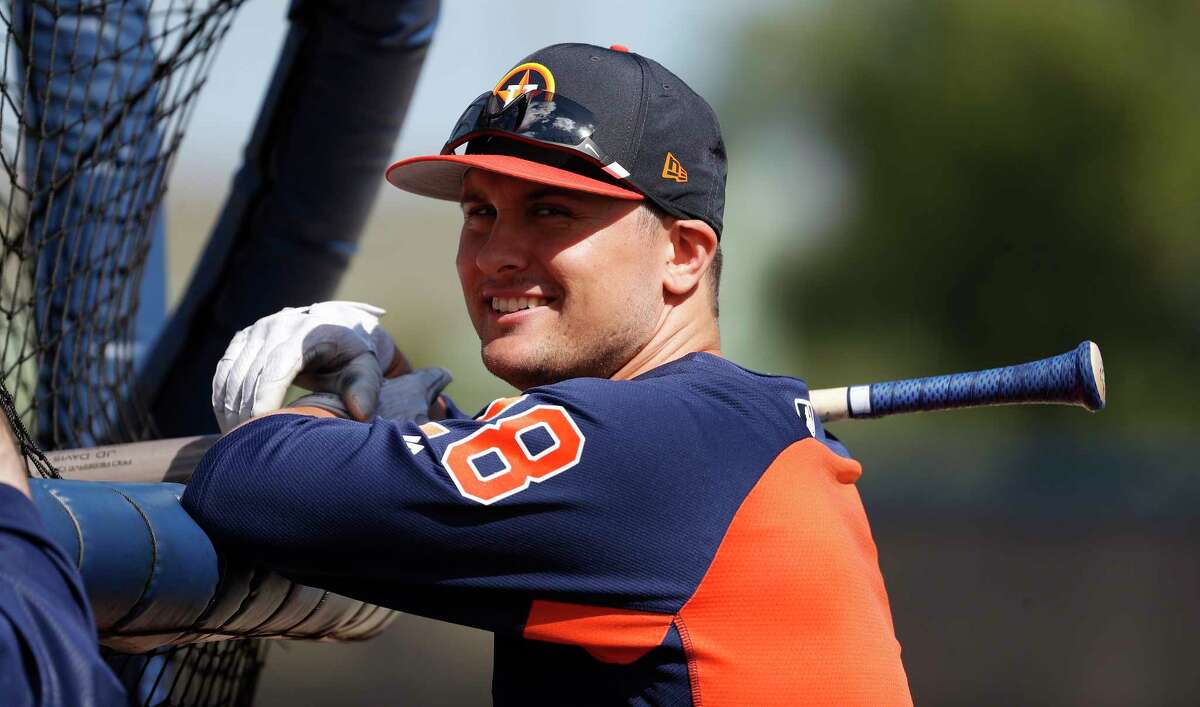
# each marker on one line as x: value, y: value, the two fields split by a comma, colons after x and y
x: 95, y: 98
x: 96, y: 95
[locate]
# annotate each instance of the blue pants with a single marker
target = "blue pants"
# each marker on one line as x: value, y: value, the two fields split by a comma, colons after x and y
x: 93, y: 162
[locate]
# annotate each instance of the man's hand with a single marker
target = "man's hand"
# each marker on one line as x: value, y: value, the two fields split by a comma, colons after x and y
x: 334, y: 347
x: 408, y: 398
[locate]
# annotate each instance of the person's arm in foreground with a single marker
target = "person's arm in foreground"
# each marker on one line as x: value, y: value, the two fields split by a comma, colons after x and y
x: 48, y: 649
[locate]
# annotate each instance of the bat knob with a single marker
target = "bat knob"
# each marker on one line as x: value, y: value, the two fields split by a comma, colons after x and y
x: 1090, y: 367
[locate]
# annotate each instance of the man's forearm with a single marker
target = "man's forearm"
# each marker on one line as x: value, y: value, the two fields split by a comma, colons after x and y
x: 318, y: 499
x: 255, y: 494
x: 306, y: 410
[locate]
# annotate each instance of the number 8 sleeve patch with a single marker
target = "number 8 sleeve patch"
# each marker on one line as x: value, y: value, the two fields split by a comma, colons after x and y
x: 509, y: 441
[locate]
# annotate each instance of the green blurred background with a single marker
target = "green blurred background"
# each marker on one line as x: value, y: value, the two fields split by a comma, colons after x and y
x: 915, y: 187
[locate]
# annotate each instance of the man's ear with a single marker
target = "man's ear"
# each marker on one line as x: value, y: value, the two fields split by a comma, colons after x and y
x: 692, y: 245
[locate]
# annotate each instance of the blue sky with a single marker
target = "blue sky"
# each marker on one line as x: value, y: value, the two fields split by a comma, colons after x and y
x: 475, y: 43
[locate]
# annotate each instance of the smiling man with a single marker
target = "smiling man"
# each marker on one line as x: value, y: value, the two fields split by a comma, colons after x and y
x: 647, y: 523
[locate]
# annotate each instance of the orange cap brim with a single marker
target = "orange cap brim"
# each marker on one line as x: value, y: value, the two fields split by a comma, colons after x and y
x: 440, y: 176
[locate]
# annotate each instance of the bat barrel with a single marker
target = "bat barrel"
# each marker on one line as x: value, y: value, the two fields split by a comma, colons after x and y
x: 1072, y: 378
x: 135, y: 462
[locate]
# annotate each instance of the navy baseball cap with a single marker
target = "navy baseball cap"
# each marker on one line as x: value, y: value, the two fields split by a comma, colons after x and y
x: 578, y: 116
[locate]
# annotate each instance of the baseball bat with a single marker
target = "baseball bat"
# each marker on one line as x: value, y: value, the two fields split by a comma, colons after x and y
x: 134, y: 462
x: 1072, y: 378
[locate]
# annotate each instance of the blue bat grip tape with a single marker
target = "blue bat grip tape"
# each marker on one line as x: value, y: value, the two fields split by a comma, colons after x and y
x: 1066, y: 378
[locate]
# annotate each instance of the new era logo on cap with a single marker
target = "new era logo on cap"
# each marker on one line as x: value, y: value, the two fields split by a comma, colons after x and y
x: 673, y: 170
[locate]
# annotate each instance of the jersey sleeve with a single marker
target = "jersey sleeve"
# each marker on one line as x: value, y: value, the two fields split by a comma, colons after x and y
x: 48, y: 648
x: 577, y: 492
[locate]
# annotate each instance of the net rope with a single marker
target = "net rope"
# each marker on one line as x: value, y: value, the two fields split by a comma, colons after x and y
x: 94, y: 99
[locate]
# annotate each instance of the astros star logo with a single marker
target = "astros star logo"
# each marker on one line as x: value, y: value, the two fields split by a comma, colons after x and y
x: 522, y: 79
x: 519, y: 88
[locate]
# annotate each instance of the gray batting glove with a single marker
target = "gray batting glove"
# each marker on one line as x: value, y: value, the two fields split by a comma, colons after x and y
x: 404, y: 399
x: 333, y: 347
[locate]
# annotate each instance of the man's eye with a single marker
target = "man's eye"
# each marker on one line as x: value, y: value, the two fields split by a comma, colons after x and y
x: 478, y: 211
x: 550, y: 210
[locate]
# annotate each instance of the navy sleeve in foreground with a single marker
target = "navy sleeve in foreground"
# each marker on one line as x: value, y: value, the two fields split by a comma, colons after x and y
x: 48, y: 649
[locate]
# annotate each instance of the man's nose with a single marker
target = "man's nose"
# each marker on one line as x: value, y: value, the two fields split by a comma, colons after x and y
x: 506, y: 248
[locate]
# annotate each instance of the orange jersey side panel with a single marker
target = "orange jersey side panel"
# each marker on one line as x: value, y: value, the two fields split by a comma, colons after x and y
x: 609, y: 635
x: 793, y: 609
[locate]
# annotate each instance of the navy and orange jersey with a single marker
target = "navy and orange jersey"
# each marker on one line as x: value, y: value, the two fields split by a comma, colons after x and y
x: 688, y: 537
x: 48, y: 649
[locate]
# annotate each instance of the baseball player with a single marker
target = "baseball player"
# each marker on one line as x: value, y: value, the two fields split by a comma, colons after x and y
x: 48, y: 649
x: 646, y: 522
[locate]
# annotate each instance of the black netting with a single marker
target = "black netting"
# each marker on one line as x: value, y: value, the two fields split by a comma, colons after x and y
x: 94, y: 98
x: 221, y: 673
x: 34, y: 457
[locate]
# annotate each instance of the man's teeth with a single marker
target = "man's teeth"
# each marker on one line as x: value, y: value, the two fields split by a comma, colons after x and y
x: 504, y: 305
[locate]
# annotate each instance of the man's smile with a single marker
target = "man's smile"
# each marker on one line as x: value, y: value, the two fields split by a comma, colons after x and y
x: 505, y: 305
x: 509, y: 308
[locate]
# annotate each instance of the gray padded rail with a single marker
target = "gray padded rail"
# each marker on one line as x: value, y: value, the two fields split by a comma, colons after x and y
x: 154, y: 577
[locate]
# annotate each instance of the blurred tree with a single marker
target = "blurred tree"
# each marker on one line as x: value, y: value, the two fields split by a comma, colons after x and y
x: 1022, y: 176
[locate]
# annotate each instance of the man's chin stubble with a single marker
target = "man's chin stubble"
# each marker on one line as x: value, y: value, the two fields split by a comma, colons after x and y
x: 547, y: 367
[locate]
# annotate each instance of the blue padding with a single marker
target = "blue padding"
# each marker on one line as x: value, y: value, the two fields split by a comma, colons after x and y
x: 145, y: 563
x: 117, y: 553
x: 185, y: 568
x: 57, y: 518
x: 153, y: 577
